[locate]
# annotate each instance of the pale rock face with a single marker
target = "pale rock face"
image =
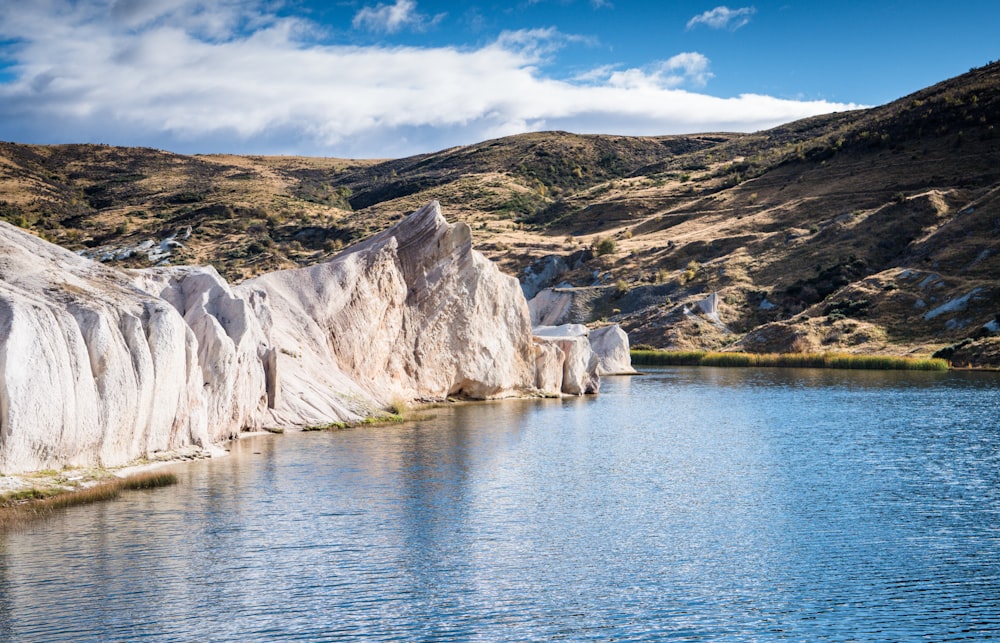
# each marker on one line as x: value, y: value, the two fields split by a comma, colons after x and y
x: 99, y: 366
x: 550, y: 307
x: 549, y: 361
x: 231, y: 345
x: 92, y: 371
x: 580, y: 364
x: 610, y: 343
x: 565, y: 330
x: 411, y: 313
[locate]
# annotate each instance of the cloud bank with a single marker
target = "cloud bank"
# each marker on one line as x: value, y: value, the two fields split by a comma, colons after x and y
x: 198, y: 76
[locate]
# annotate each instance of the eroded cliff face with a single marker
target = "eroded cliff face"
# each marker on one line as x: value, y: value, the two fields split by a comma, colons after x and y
x: 411, y: 313
x: 92, y: 370
x: 99, y: 366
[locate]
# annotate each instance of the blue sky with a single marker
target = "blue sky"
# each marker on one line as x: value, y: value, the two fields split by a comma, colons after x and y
x: 364, y: 78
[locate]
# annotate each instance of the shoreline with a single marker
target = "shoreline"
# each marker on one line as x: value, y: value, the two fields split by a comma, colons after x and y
x: 34, y: 487
x: 849, y: 361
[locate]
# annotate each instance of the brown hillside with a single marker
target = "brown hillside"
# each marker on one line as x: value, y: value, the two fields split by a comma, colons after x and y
x: 870, y: 231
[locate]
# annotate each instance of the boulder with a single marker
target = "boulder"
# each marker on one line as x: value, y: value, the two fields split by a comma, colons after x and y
x: 610, y: 344
x: 580, y: 364
x: 549, y: 361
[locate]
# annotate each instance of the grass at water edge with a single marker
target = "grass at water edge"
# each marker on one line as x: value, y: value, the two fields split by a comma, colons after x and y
x: 787, y: 360
x: 21, y: 507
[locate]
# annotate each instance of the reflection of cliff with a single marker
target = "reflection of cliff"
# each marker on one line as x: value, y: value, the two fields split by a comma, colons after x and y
x: 100, y: 366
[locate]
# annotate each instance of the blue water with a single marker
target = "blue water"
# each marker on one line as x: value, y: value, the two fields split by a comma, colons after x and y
x: 689, y: 504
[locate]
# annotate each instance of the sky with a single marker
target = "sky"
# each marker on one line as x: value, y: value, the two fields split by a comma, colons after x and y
x: 391, y: 78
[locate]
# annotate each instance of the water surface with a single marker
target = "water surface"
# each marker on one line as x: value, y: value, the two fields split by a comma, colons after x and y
x: 691, y: 504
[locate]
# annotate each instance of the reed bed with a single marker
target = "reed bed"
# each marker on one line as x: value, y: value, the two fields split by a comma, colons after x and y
x: 22, y: 507
x: 787, y: 360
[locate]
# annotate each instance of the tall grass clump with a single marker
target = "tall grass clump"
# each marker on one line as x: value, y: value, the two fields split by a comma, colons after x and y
x: 399, y: 407
x: 649, y: 357
x: 21, y: 507
x: 787, y: 360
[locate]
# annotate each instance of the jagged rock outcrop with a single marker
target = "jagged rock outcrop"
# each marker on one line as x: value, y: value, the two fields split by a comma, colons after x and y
x: 99, y: 366
x: 410, y: 313
x: 232, y: 349
x: 542, y: 274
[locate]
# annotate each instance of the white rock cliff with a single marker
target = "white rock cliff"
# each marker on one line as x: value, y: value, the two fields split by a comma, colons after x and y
x: 100, y: 366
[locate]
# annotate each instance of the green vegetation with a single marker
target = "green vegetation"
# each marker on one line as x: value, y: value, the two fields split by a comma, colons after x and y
x: 399, y: 407
x: 605, y: 246
x: 787, y: 360
x: 20, y: 507
x: 373, y: 420
x: 690, y: 272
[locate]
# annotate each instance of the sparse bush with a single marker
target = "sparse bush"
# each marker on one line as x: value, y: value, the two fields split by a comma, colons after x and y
x: 398, y: 407
x: 605, y: 246
x: 691, y: 271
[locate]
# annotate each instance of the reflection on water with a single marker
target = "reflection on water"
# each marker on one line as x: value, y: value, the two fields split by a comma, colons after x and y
x: 689, y: 504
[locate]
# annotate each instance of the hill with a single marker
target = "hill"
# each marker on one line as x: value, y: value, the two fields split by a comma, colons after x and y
x: 867, y: 231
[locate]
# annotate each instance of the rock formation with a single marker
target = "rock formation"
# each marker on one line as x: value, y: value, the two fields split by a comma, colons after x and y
x: 411, y: 313
x: 579, y: 363
x: 92, y: 370
x: 100, y: 366
x: 610, y: 344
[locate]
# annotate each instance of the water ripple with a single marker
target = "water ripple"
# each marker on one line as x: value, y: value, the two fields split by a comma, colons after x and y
x: 689, y: 505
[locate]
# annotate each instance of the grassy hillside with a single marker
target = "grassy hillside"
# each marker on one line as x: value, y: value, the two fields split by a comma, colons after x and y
x: 872, y: 231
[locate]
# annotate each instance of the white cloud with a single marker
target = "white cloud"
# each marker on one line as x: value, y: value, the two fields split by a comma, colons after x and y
x: 685, y: 68
x: 199, y: 79
x: 392, y: 18
x: 723, y: 18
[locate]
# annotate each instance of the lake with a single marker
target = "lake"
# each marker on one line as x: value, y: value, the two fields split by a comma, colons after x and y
x: 689, y: 504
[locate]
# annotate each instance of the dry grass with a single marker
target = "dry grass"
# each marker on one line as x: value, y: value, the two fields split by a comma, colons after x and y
x: 22, y: 507
x: 787, y: 360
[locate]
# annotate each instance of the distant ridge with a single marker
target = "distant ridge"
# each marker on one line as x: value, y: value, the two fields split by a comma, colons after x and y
x: 839, y: 232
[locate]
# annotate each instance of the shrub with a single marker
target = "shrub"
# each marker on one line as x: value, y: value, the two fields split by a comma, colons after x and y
x: 691, y: 271
x: 605, y: 246
x: 398, y: 407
